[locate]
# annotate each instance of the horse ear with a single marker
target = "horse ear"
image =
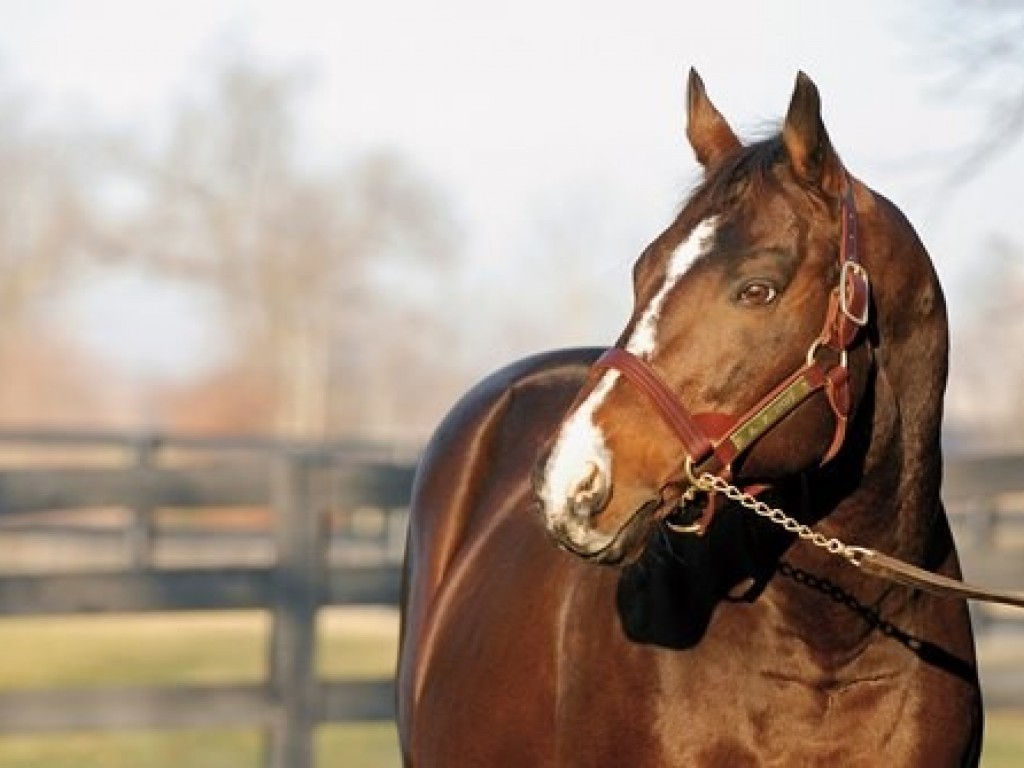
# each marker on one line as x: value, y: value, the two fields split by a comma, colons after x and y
x: 807, y: 144
x: 710, y: 135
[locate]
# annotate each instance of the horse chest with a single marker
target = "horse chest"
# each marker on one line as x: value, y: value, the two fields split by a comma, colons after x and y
x: 740, y: 697
x: 549, y: 677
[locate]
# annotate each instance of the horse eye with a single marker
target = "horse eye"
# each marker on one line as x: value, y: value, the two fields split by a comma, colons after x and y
x: 757, y: 293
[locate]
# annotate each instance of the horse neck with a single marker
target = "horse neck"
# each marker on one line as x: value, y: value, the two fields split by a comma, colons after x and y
x: 881, y: 492
x: 886, y: 494
x: 896, y: 502
x: 893, y: 470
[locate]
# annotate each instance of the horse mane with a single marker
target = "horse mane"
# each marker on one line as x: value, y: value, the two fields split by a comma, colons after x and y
x: 752, y: 170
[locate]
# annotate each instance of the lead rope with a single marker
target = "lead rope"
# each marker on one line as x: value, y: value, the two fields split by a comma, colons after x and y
x: 710, y: 483
x: 869, y: 560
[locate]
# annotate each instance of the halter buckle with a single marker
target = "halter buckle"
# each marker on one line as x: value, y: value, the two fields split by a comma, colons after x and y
x: 851, y: 277
x: 688, y: 471
x: 817, y: 344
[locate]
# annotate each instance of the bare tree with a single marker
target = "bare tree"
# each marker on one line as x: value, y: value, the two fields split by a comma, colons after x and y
x: 43, y: 211
x: 980, y: 47
x: 294, y: 253
x: 982, y: 44
x: 986, y: 401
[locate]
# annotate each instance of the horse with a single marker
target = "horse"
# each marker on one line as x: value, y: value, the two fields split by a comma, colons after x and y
x: 647, y: 554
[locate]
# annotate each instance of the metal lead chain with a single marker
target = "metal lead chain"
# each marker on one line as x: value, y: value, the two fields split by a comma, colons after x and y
x: 714, y: 484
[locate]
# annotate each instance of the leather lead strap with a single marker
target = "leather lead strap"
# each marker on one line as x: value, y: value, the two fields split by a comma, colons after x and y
x: 891, y: 569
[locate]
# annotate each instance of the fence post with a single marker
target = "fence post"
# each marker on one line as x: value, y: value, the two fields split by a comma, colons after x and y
x: 983, y: 524
x: 299, y: 498
x: 141, y: 528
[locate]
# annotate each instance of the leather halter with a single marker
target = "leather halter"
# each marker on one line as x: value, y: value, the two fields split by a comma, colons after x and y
x: 848, y: 313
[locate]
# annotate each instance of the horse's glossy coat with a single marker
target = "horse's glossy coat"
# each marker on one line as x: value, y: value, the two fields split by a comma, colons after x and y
x: 740, y: 647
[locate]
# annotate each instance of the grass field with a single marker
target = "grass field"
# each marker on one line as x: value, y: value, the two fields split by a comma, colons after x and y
x: 185, y: 649
x: 197, y: 649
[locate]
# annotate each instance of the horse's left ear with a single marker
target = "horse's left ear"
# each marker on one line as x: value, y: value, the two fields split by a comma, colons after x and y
x: 807, y: 144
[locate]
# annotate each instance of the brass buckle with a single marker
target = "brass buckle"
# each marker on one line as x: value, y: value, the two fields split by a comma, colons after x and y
x: 850, y: 271
x: 688, y: 469
x: 817, y: 344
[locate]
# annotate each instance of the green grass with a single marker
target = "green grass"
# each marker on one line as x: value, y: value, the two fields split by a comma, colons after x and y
x: 365, y: 746
x: 229, y: 648
x: 1004, y: 740
x: 183, y: 649
x: 132, y: 650
x: 194, y: 749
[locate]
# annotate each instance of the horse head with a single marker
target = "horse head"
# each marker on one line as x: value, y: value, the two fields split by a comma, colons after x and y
x: 736, y: 295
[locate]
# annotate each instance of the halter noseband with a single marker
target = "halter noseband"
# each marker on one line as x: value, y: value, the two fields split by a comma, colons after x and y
x: 712, y: 441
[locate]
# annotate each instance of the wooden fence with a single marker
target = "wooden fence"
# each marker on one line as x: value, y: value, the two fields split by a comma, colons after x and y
x: 302, y: 484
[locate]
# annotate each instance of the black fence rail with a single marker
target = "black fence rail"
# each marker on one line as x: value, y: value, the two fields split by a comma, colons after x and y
x: 297, y: 564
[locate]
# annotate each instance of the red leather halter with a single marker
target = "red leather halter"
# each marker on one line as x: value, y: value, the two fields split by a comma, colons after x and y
x: 848, y: 309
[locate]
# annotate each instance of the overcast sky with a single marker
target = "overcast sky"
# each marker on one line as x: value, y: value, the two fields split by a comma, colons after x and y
x: 514, y: 106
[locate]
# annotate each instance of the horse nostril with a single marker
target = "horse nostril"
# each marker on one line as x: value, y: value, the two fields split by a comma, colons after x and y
x: 591, y: 493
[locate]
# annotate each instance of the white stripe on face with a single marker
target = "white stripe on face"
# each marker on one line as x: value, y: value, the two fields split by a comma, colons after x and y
x: 642, y: 342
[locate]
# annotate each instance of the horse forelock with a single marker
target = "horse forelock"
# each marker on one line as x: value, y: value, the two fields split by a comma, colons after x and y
x: 751, y: 172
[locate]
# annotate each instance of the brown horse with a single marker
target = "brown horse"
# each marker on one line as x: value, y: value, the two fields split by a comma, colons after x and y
x: 759, y: 361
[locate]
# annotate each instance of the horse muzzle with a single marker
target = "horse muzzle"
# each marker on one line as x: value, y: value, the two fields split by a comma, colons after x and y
x: 575, y: 531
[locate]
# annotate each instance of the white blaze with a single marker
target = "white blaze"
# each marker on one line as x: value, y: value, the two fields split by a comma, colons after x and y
x: 581, y: 442
x: 643, y: 341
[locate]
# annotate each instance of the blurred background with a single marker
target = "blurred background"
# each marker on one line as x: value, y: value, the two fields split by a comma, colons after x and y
x: 321, y: 222
x: 323, y: 219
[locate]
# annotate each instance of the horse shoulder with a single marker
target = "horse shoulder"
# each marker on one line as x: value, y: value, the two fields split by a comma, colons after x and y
x: 510, y: 413
x: 480, y: 456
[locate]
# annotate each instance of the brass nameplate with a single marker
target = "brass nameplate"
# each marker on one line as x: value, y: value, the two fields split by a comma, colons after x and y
x: 773, y: 412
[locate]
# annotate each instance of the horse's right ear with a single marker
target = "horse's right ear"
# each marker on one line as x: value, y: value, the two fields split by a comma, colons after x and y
x: 710, y: 135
